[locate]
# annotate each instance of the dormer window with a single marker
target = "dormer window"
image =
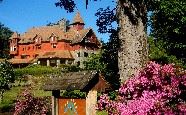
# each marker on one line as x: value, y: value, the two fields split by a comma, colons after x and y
x: 11, y: 48
x: 36, y: 40
x: 87, y: 40
x: 38, y: 47
x: 52, y: 38
x: 14, y: 48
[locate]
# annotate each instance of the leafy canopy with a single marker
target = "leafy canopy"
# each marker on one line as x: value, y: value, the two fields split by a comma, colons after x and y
x: 5, y: 34
x: 168, y: 24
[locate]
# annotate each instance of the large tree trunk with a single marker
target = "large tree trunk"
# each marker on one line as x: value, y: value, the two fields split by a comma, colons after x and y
x: 133, y: 44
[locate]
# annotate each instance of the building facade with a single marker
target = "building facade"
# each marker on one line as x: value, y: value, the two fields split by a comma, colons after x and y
x: 60, y: 43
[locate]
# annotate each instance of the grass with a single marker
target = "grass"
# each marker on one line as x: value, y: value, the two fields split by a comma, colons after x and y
x: 10, y: 96
x: 41, y: 93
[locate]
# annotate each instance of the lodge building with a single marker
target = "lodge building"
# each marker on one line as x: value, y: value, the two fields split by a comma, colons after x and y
x: 60, y: 43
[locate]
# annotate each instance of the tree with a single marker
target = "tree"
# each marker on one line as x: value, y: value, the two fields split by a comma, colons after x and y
x: 107, y: 60
x: 94, y: 62
x: 6, y: 77
x: 158, y: 53
x: 132, y: 55
x: 169, y: 25
x: 131, y: 18
x: 110, y: 58
x: 5, y: 34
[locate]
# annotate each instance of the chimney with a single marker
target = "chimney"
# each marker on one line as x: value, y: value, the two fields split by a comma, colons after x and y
x: 63, y: 23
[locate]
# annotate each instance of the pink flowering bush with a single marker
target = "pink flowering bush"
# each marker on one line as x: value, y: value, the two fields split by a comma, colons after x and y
x: 155, y: 90
x: 27, y: 104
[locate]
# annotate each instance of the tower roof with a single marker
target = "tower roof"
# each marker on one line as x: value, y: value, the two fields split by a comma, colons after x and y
x: 77, y: 19
x: 15, y: 35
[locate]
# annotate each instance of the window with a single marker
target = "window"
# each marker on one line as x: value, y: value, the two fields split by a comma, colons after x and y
x: 66, y: 45
x: 39, y: 47
x: 23, y: 56
x: 87, y: 40
x: 85, y: 54
x: 62, y: 61
x: 36, y: 40
x: 11, y: 48
x: 52, y: 39
x: 14, y: 48
x: 36, y: 55
x: 54, y: 45
x: 28, y: 47
x: 23, y: 49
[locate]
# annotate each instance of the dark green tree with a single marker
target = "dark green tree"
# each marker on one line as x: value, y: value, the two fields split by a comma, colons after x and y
x: 110, y: 58
x: 6, y: 77
x: 94, y: 62
x: 169, y: 26
x: 5, y: 34
x: 107, y: 60
x: 158, y: 53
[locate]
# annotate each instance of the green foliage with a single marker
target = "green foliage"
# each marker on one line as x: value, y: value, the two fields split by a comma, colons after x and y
x: 36, y: 70
x: 5, y: 34
x: 6, y: 77
x: 73, y: 94
x: 6, y: 74
x: 11, y: 95
x: 158, y: 53
x: 107, y: 60
x: 168, y: 23
x: 101, y: 113
x: 69, y: 68
x: 110, y: 58
x: 94, y: 62
x: 9, y: 98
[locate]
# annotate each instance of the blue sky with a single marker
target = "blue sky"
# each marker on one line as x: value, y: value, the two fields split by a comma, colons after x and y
x: 20, y: 15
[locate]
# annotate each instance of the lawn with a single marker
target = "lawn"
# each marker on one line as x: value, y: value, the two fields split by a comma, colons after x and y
x: 11, y: 95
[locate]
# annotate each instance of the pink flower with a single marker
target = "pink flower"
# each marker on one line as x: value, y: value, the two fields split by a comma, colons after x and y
x: 153, y: 90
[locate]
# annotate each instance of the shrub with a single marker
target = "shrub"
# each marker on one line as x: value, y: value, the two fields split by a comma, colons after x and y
x: 69, y: 68
x: 74, y: 94
x: 155, y: 89
x: 6, y: 77
x: 35, y: 70
x: 27, y: 104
